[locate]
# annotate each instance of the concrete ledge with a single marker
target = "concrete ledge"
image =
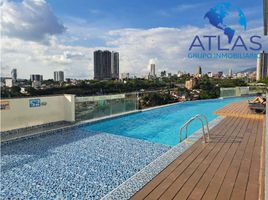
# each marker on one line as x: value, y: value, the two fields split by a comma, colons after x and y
x: 32, y: 111
x: 19, y: 137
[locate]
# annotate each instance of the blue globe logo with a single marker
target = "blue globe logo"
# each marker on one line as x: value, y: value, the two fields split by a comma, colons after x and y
x: 223, y: 15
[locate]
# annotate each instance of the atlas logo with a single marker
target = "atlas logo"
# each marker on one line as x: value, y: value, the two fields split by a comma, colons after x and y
x: 229, y: 20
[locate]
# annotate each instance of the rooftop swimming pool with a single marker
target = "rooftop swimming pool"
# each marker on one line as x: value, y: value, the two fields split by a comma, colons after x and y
x: 162, y: 125
x: 88, y: 162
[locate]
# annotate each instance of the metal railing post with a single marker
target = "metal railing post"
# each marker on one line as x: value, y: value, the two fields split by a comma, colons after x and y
x: 208, y: 134
x: 204, y: 137
x: 199, y: 117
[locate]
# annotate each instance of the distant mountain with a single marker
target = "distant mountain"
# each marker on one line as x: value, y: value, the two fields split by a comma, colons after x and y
x: 253, y: 69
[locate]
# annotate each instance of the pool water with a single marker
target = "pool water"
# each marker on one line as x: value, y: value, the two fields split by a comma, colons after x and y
x: 162, y: 125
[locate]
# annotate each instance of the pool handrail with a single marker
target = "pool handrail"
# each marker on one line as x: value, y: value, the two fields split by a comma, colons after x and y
x: 200, y: 117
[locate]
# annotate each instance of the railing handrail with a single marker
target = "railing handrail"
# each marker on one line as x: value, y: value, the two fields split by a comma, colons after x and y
x: 200, y: 117
x: 206, y: 119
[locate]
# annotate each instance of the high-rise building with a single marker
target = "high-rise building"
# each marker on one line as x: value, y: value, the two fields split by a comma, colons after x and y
x: 59, y: 76
x: 36, y: 80
x: 262, y: 65
x: 98, y: 65
x: 106, y: 65
x: 14, y: 75
x: 152, y: 70
x: 230, y: 73
x: 199, y: 70
x: 36, y: 77
x: 265, y: 16
x: 115, y: 65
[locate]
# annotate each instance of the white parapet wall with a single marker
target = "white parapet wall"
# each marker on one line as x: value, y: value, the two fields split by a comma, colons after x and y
x: 26, y: 112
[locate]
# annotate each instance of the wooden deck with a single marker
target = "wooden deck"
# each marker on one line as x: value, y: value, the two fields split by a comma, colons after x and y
x: 228, y: 167
x: 239, y: 109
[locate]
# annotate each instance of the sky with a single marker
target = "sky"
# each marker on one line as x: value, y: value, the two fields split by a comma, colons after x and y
x: 39, y: 37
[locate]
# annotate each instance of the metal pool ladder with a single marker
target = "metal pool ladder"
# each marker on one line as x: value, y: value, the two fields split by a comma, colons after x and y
x: 199, y: 117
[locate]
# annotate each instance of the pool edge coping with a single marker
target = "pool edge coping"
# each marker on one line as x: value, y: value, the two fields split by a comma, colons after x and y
x: 132, y: 185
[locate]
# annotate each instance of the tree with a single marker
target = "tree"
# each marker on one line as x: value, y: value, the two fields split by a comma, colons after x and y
x: 154, y: 99
x: 5, y: 93
x: 265, y: 81
x: 227, y: 82
x: 15, y: 91
x: 31, y: 91
x: 208, y: 88
x: 48, y: 82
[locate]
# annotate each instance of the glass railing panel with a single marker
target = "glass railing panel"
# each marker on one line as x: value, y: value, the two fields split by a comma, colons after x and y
x: 93, y: 107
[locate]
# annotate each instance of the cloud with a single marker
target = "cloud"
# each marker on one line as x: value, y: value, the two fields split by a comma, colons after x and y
x: 170, y: 46
x: 32, y: 57
x: 81, y: 32
x: 187, y: 7
x: 30, y: 20
x: 74, y: 55
x: 5, y: 71
x: 73, y: 50
x: 152, y: 61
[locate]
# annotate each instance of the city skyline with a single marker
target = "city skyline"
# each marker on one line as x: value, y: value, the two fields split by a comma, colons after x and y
x: 59, y: 76
x: 68, y: 39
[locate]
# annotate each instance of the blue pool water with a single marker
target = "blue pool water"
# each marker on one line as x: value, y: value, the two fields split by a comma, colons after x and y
x: 162, y: 125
